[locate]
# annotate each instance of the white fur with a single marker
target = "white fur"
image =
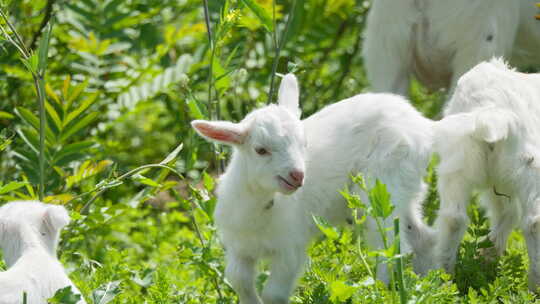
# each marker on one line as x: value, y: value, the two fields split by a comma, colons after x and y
x: 438, y: 41
x: 29, y: 234
x: 493, y: 147
x: 378, y: 135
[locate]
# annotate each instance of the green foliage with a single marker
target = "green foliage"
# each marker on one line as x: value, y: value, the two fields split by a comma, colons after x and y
x: 11, y: 187
x: 264, y: 16
x: 119, y: 82
x: 67, y: 117
x: 64, y: 296
x: 380, y: 200
x: 105, y: 293
x: 328, y: 230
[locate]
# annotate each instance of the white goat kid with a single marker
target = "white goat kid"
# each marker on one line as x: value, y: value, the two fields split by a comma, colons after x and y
x: 493, y: 147
x: 265, y: 204
x: 29, y: 234
x: 438, y: 41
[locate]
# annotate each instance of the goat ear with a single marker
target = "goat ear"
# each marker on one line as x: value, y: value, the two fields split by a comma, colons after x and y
x: 289, y: 94
x: 220, y: 131
x: 56, y: 217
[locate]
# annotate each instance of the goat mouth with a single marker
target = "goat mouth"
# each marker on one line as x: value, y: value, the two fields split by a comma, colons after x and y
x: 288, y: 185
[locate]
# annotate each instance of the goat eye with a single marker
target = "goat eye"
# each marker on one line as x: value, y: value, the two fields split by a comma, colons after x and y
x: 262, y: 151
x: 43, y: 233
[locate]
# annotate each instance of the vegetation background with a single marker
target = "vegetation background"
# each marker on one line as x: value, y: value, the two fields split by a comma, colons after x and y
x: 123, y: 80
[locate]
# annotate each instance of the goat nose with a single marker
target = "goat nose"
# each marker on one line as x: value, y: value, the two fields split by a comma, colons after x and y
x: 297, y: 176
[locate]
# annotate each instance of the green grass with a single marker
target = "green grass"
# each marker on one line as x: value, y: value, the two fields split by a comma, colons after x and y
x: 157, y: 257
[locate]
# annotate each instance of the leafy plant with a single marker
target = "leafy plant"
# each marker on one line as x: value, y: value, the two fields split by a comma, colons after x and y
x: 68, y: 117
x: 35, y: 63
x: 65, y: 296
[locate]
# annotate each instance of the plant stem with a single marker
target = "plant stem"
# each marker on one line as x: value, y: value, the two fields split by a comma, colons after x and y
x: 212, y: 54
x: 274, y: 32
x: 207, y: 20
x: 39, y: 84
x: 382, y: 231
x: 213, y: 106
x: 195, y: 225
x: 44, y: 21
x: 40, y: 87
x: 213, y: 111
x: 211, y: 64
x: 276, y: 50
x: 279, y: 46
x: 364, y: 261
x: 399, y: 264
x: 101, y: 189
x: 201, y: 239
x: 19, y: 44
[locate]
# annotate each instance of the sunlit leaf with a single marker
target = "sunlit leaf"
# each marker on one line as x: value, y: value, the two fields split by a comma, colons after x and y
x: 6, y: 115
x: 194, y: 110
x: 221, y: 75
x: 54, y: 116
x: 106, y: 292
x: 297, y: 21
x: 75, y: 93
x: 80, y: 124
x: 327, y: 229
x: 68, y: 152
x: 29, y: 187
x: 52, y: 94
x: 11, y: 186
x: 144, y: 279
x: 85, y: 104
x: 59, y: 199
x: 65, y: 86
x: 341, y: 292
x: 30, y: 63
x: 85, y: 170
x: 33, y: 120
x: 208, y: 207
x: 30, y: 139
x: 65, y: 296
x: 145, y: 180
x: 43, y: 48
x: 380, y: 200
x: 6, y: 138
x: 261, y: 14
x: 172, y: 155
x: 208, y: 181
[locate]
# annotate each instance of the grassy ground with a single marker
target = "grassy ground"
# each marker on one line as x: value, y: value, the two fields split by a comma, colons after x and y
x: 155, y: 256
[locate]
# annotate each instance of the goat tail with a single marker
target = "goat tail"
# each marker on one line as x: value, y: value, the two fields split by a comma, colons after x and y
x: 493, y: 124
x: 487, y: 124
x: 462, y: 136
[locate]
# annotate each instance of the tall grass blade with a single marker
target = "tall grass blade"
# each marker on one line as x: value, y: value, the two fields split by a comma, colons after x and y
x: 279, y: 46
x: 399, y: 264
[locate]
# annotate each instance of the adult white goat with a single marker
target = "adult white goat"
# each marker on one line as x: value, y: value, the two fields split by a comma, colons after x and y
x: 265, y: 204
x: 29, y: 234
x: 438, y: 41
x: 493, y: 147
